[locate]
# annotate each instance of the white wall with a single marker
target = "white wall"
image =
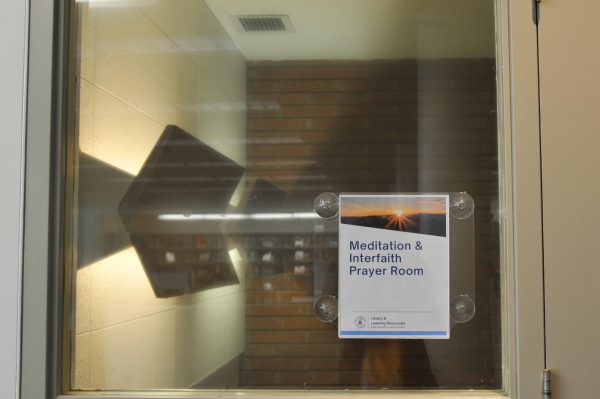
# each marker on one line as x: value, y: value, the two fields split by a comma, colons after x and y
x: 13, y: 34
x: 143, y: 66
x: 365, y: 30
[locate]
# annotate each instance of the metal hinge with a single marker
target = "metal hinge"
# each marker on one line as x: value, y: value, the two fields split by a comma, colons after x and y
x: 535, y: 11
x: 546, y: 384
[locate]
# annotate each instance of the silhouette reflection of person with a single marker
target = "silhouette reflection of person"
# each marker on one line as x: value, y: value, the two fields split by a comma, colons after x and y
x: 395, y: 363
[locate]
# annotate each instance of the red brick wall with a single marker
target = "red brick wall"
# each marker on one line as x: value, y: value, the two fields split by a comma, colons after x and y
x: 372, y: 127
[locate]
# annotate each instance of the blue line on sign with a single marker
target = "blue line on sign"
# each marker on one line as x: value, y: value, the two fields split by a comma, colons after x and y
x: 393, y: 332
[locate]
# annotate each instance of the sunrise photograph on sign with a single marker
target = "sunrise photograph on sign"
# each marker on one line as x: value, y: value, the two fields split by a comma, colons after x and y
x: 410, y: 213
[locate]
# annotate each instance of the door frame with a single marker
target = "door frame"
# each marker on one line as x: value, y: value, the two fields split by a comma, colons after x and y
x: 524, y: 276
x: 520, y: 189
x: 13, y: 42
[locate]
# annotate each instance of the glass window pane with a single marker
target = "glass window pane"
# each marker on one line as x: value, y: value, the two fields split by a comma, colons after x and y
x: 205, y: 131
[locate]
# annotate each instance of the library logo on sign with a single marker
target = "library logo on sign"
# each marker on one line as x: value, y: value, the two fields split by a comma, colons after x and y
x: 360, y: 322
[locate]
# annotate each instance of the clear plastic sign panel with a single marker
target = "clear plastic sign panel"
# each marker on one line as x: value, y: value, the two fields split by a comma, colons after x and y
x: 326, y: 266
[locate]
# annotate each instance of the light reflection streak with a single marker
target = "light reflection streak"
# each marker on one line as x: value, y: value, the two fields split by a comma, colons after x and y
x: 238, y: 216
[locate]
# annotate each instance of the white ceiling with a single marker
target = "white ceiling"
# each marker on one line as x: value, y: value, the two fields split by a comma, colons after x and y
x: 364, y: 29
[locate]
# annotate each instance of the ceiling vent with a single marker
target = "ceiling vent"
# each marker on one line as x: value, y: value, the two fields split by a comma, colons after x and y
x: 263, y: 23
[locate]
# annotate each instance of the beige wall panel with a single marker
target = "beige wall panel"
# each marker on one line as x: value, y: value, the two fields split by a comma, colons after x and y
x: 570, y: 91
x: 170, y: 349
x: 141, y: 66
x: 145, y: 65
x: 117, y: 133
x: 220, y: 324
x: 192, y: 27
x: 121, y: 136
x: 86, y: 110
x: 83, y: 300
x: 87, y: 43
x: 221, y: 321
x: 170, y: 331
x: 122, y: 356
x: 229, y: 71
x: 81, y: 374
x: 215, y: 125
x: 120, y: 291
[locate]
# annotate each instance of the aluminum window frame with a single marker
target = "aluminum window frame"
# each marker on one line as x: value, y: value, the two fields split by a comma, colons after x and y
x: 47, y: 151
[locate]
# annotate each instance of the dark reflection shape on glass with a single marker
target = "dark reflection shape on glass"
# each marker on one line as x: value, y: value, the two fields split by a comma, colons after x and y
x: 186, y: 263
x: 264, y: 197
x: 181, y: 175
x: 182, y: 178
x: 100, y: 230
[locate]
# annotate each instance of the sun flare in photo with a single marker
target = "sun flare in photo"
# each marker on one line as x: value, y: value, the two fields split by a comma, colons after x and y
x: 399, y: 220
